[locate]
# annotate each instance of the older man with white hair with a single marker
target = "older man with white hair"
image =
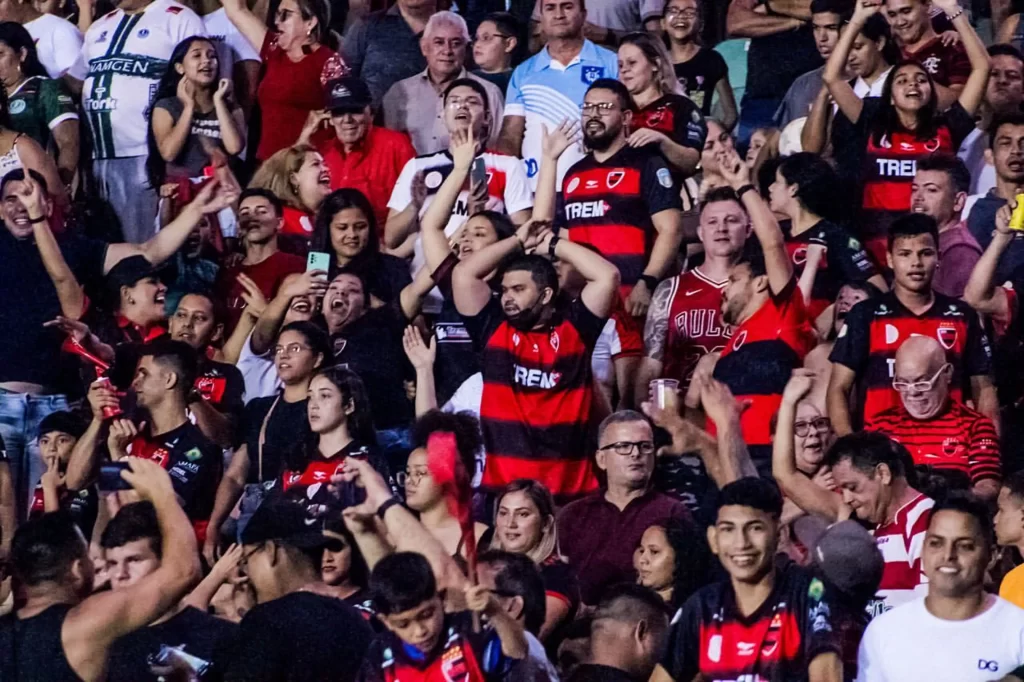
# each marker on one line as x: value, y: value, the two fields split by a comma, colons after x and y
x: 416, y: 104
x: 937, y: 430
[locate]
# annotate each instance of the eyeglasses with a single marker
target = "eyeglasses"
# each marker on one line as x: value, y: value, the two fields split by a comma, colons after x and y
x: 488, y: 37
x: 625, y: 447
x: 469, y: 102
x: 600, y: 108
x: 918, y: 386
x: 820, y: 424
x: 291, y: 349
x: 672, y: 13
x: 414, y: 475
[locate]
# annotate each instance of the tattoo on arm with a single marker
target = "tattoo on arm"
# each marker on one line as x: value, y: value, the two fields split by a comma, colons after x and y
x: 656, y: 326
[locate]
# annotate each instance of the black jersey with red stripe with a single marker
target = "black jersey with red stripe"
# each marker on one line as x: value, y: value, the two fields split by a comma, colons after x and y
x: 193, y: 462
x: 845, y: 260
x: 713, y: 639
x: 890, y: 162
x: 609, y: 205
x: 695, y: 326
x: 875, y: 329
x: 677, y: 117
x: 222, y: 386
x: 537, y: 398
x: 760, y: 357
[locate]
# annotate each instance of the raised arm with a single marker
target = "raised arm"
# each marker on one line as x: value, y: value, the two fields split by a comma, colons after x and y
x: 228, y: 491
x: 724, y: 411
x: 655, y: 339
x: 248, y: 24
x: 973, y: 94
x: 170, y: 135
x: 230, y: 120
x: 553, y: 144
x: 435, y: 242
x: 69, y: 291
x: 806, y: 494
x: 777, y: 262
x: 835, y: 68
x: 469, y: 285
x: 814, y: 136
x: 310, y: 283
x: 602, y: 277
x: 92, y: 627
x: 981, y: 292
x: 84, y: 458
x: 421, y: 357
x: 837, y: 398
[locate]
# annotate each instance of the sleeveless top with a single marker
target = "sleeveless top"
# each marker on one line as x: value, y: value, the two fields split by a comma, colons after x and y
x: 10, y: 161
x: 31, y: 649
x: 1017, y: 39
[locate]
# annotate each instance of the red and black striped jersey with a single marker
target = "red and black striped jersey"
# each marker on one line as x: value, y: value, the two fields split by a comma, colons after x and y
x: 695, y: 326
x: 677, y: 117
x: 875, y: 329
x: 609, y: 205
x: 845, y: 261
x: 537, y: 398
x: 461, y: 655
x: 712, y: 639
x: 759, y: 359
x: 959, y: 439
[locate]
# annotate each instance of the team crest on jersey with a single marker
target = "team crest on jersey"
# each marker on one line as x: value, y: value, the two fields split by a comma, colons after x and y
x: 144, y: 33
x: 664, y: 178
x: 554, y: 340
x: 160, y: 456
x: 339, y: 345
x: 591, y: 73
x: 573, y: 184
x: 715, y: 648
x: 515, y: 339
x: 17, y: 106
x: 739, y: 340
x: 947, y: 337
x: 951, y: 447
x: 614, y: 178
x: 453, y: 665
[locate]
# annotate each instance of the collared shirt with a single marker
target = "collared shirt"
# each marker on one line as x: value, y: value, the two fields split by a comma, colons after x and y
x: 598, y: 538
x: 372, y: 168
x: 382, y: 50
x: 547, y: 92
x: 415, y: 105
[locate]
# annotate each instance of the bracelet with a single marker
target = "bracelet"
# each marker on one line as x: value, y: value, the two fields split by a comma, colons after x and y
x: 954, y: 15
x: 650, y: 280
x: 40, y: 219
x: 383, y: 509
x: 743, y: 190
x: 551, y: 246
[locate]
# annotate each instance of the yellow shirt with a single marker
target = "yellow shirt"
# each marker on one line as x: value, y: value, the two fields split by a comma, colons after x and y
x: 1012, y: 587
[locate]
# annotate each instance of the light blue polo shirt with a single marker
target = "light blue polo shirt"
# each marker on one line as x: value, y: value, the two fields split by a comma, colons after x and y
x: 546, y: 92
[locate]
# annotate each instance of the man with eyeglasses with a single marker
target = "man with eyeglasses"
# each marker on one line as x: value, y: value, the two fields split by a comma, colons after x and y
x: 864, y: 354
x: 416, y: 104
x: 623, y: 200
x: 937, y: 430
x: 598, y: 533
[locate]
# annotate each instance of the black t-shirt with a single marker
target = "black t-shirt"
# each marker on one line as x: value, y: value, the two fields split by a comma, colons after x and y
x: 699, y: 77
x: 29, y: 351
x: 222, y: 385
x: 776, y: 643
x: 287, y: 430
x: 845, y: 260
x: 301, y: 637
x: 385, y: 275
x: 194, y: 463
x: 457, y: 359
x: 775, y: 61
x: 197, y: 634
x: 307, y: 483
x: 372, y: 348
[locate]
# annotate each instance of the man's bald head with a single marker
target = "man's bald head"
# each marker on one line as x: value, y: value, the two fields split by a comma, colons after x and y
x: 921, y: 375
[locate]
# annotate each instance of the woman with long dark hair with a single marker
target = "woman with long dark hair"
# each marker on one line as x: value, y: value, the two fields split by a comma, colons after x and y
x: 672, y: 560
x: 343, y: 568
x: 702, y: 72
x: 346, y: 228
x: 192, y: 114
x: 40, y: 106
x: 905, y: 123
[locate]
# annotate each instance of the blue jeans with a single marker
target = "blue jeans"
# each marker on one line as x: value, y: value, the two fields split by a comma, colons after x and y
x: 755, y: 112
x: 20, y: 415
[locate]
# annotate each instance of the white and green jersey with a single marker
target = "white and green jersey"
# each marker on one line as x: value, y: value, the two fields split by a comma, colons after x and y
x: 126, y: 55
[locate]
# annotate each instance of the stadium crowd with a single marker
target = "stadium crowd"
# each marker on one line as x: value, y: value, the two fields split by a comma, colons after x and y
x: 480, y: 340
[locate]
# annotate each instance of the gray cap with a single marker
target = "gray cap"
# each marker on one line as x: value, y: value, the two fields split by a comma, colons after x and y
x: 848, y: 557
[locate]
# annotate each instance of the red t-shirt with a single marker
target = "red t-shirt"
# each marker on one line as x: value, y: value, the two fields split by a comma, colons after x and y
x: 289, y: 91
x: 373, y: 169
x: 268, y: 276
x: 947, y: 64
x: 297, y: 222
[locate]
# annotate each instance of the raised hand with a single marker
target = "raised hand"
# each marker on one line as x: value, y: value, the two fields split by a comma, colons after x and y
x: 480, y: 599
x: 31, y: 197
x: 556, y: 141
x: 102, y: 397
x: 799, y: 385
x: 255, y: 301
x: 463, y: 148
x: 532, y: 233
x: 223, y: 90
x: 317, y: 119
x: 363, y: 474
x: 645, y: 136
x: 1003, y: 216
x: 148, y: 479
x: 122, y: 432
x: 732, y: 168
x: 76, y: 329
x: 864, y: 10
x: 186, y: 93
x: 312, y: 282
x: 719, y: 403
x: 421, y: 355
x: 213, y: 197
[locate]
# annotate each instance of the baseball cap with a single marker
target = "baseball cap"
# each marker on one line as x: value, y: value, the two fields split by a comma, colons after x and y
x: 284, y: 521
x: 127, y: 272
x: 847, y: 556
x: 347, y: 93
x: 65, y: 422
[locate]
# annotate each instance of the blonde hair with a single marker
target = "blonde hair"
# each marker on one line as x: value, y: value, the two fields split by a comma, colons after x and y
x: 275, y: 175
x: 656, y: 53
x: 545, y: 504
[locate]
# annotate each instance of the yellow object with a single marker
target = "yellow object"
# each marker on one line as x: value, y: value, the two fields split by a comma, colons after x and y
x: 1012, y: 587
x: 1017, y: 219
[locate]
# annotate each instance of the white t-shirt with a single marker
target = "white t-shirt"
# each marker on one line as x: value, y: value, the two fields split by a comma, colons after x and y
x: 127, y: 54
x: 507, y: 187
x: 908, y: 643
x: 232, y: 47
x: 258, y: 372
x: 59, y: 46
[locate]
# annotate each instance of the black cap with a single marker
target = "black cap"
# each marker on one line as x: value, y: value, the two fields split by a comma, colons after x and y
x: 284, y: 521
x: 127, y: 272
x: 65, y: 422
x: 347, y: 94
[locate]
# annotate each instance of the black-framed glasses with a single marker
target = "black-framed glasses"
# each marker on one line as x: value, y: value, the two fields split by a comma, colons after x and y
x: 625, y: 447
x: 673, y: 12
x: 600, y: 108
x: 819, y: 424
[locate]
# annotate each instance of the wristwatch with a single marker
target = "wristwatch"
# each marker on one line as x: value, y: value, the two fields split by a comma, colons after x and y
x: 383, y: 509
x: 551, y: 246
x: 650, y: 280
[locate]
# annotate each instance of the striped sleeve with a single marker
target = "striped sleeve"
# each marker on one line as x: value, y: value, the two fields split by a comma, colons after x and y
x: 985, y: 461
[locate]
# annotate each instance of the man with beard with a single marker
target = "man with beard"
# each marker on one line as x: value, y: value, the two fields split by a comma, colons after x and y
x: 1003, y: 95
x: 538, y: 386
x: 260, y: 219
x: 864, y: 353
x: 64, y: 633
x: 771, y: 324
x: 622, y: 199
x: 938, y: 431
